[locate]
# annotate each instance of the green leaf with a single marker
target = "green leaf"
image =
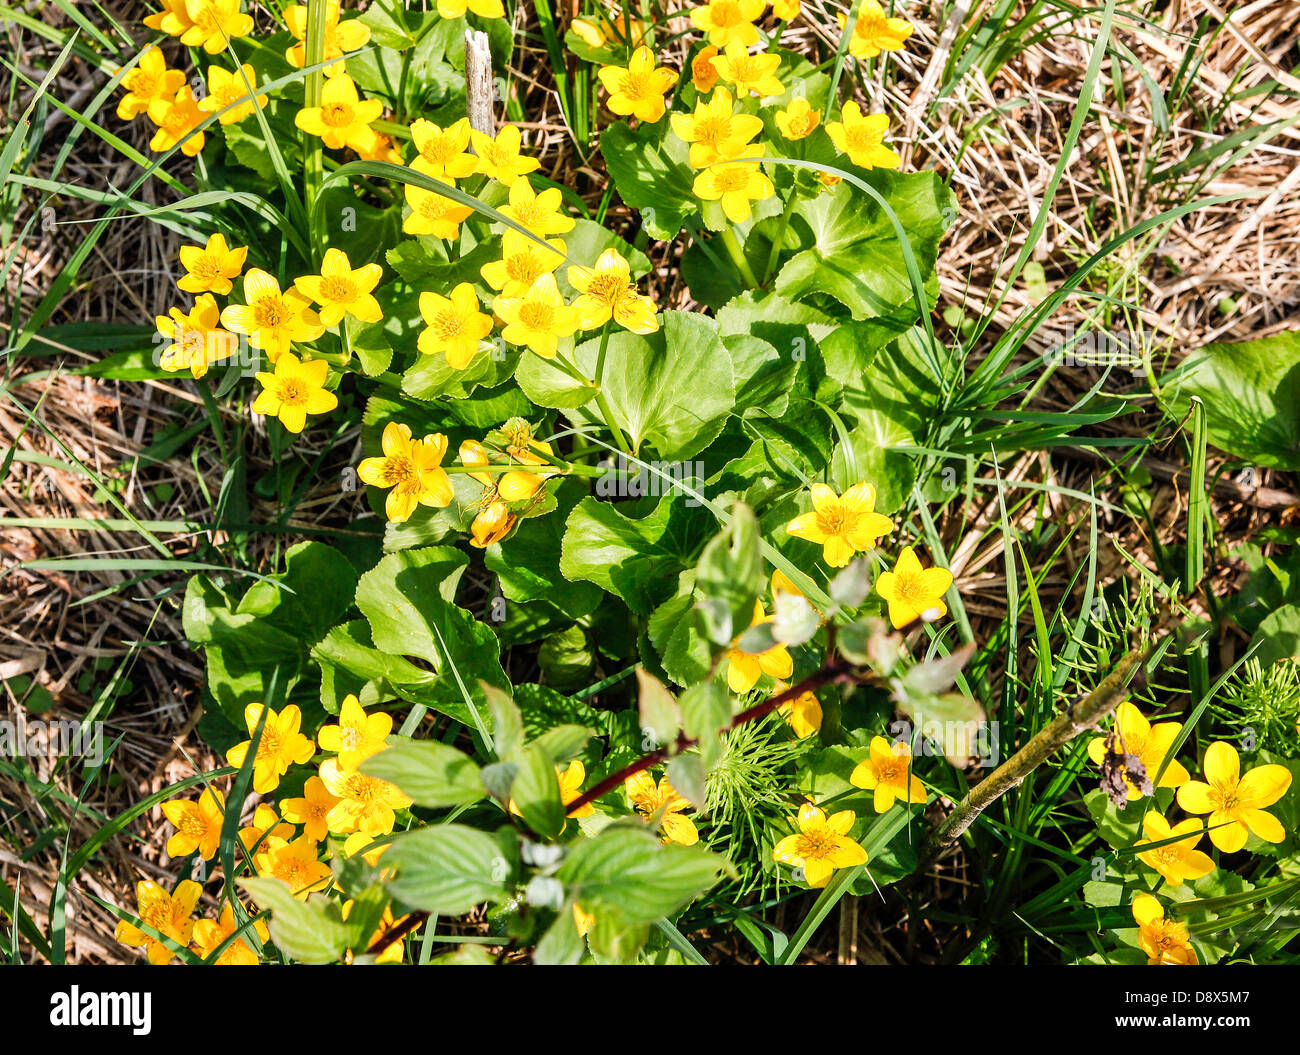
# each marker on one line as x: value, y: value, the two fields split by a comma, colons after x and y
x: 310, y: 931
x: 536, y: 792
x: 706, y: 710
x: 561, y: 944
x: 729, y: 576
x: 650, y: 174
x: 657, y: 710
x: 428, y: 772
x: 446, y: 869
x: 627, y: 869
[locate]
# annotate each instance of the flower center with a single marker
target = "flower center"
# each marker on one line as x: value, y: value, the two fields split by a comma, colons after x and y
x: 338, y: 289
x: 336, y: 115
x: 639, y: 85
x: 731, y: 179
x: 609, y: 288
x: 207, y: 267
x: 193, y: 825
x: 523, y: 267
x: 712, y: 130
x: 536, y: 316
x: 815, y: 845
x: 142, y: 83
x: 434, y: 207
x: 270, y: 312
x: 448, y: 325
x: 862, y: 138
x: 293, y: 392
x: 727, y: 14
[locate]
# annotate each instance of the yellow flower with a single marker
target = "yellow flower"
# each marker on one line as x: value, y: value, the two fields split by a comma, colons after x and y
x: 500, y: 158
x: 312, y: 810
x: 375, y: 146
x: 571, y: 779
x: 716, y: 132
x: 412, y: 468
x: 168, y: 914
x: 607, y: 292
x: 1151, y: 743
x: 523, y: 261
x: 582, y: 919
x: 443, y: 152
x: 174, y: 19
x: 786, y: 10
x: 876, y: 31
x: 198, y: 824
x: 1235, y: 802
x: 749, y: 73
x: 540, y: 213
x: 214, y: 23
x: 803, y: 713
x: 358, y: 735
x: 744, y: 669
x: 455, y: 325
x: 176, y: 118
x: 639, y: 89
x: 397, y: 949
x: 648, y: 800
x: 821, y: 846
x: 295, y: 862
x: 888, y: 772
x: 210, y: 934
x: 197, y: 339
x: 538, y: 319
x: 735, y: 184
x: 862, y: 138
x: 148, y: 81
x: 726, y: 21
x: 798, y: 120
x: 212, y: 268
x: 482, y: 8
x: 281, y: 746
x: 913, y: 592
x: 433, y: 213
x: 272, y: 320
x: 225, y: 88
x: 491, y: 525
x: 266, y: 825
x: 340, y: 290
x: 1176, y: 861
x: 366, y: 803
x: 1164, y: 941
x: 704, y: 75
x: 842, y: 525
x: 343, y: 117
x: 340, y: 37
x: 295, y: 390
x: 495, y: 520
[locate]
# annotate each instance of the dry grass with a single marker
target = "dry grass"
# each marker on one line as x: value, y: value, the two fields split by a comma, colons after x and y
x: 1247, y: 253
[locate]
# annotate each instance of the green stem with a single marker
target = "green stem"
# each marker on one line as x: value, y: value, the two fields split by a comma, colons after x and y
x: 313, y: 146
x: 781, y: 228
x: 738, y: 257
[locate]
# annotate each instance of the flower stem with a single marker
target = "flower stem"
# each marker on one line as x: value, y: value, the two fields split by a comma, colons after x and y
x: 781, y: 228
x: 313, y: 146
x: 738, y: 257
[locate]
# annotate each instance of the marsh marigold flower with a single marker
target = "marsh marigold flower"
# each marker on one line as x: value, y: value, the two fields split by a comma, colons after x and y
x: 821, y: 846
x: 716, y: 132
x: 539, y: 319
x: 443, y: 152
x: 176, y: 118
x: 366, y: 804
x: 209, y: 935
x: 312, y: 809
x: 343, y: 117
x: 494, y: 520
x: 888, y: 772
x: 606, y: 292
x: 376, y: 146
x: 272, y: 319
x: 862, y: 138
x: 198, y: 824
x: 745, y: 668
x: 798, y: 120
x: 342, y: 290
x: 786, y: 10
x: 340, y: 36
x: 726, y: 21
x: 357, y: 735
x: 295, y: 390
x: 482, y: 8
x: 395, y: 952
x: 412, y: 469
x: 433, y: 213
x: 704, y: 75
x: 1235, y: 801
x: 842, y: 525
x: 638, y: 90
x: 1176, y: 861
x: 168, y: 914
x: 913, y: 592
x: 226, y: 88
x: 500, y: 158
x: 295, y: 862
x: 737, y: 185
x: 541, y: 212
x: 197, y: 339
x: 1164, y: 941
x: 174, y: 18
x: 1150, y: 743
x: 148, y: 81
x: 281, y: 746
x: 211, y: 268
x: 749, y: 72
x: 266, y: 825
x: 523, y: 261
x: 876, y: 31
x: 455, y: 326
x: 215, y: 23
x: 648, y: 799
x: 803, y: 714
